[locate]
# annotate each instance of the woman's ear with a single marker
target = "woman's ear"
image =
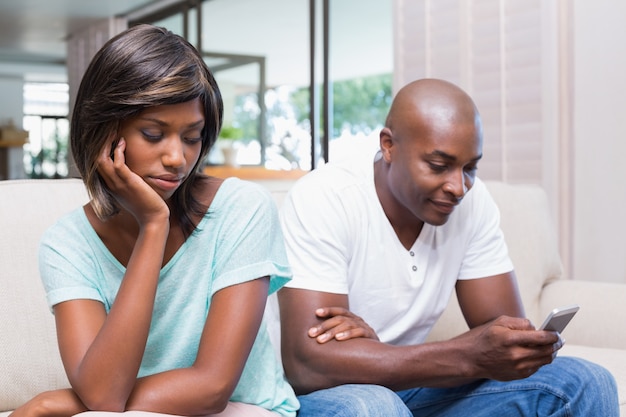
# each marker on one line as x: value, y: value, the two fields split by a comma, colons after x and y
x: 386, y: 143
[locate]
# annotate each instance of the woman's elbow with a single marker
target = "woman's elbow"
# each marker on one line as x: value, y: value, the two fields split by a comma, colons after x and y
x: 215, y: 400
x: 104, y: 404
x: 99, y: 398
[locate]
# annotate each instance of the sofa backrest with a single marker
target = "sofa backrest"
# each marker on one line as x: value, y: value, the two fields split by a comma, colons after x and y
x: 29, y: 355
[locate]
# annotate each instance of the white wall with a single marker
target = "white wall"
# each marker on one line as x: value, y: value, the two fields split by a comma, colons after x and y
x: 11, y: 100
x: 11, y: 108
x: 600, y: 145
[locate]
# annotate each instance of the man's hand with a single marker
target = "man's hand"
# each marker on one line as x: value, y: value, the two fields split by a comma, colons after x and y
x: 340, y: 324
x: 510, y: 348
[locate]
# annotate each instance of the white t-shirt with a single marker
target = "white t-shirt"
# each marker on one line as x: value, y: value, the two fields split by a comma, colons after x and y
x: 339, y: 240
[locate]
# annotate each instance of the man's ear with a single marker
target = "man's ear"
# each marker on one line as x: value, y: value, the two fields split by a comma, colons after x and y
x: 386, y: 143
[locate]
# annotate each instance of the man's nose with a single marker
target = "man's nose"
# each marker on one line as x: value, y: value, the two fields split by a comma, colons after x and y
x: 456, y: 185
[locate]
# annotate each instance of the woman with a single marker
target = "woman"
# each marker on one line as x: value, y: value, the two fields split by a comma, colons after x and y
x: 158, y: 284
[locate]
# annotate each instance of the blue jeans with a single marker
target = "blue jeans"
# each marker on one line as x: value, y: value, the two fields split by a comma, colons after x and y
x: 569, y: 387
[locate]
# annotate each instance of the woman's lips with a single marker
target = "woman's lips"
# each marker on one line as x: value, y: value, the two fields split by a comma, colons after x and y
x: 167, y: 183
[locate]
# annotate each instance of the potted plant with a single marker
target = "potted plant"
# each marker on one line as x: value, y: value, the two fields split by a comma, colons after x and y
x: 227, y: 139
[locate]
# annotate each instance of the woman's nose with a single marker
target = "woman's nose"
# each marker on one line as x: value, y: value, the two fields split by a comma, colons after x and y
x: 174, y: 155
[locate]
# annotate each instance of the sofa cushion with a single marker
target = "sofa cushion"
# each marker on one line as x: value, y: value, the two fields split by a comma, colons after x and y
x: 28, y: 352
x: 600, y: 321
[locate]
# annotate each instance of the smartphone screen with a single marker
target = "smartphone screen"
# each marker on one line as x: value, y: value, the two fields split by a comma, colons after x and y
x: 559, y: 318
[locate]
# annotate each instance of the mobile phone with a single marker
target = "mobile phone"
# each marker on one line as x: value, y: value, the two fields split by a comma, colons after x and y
x: 559, y: 318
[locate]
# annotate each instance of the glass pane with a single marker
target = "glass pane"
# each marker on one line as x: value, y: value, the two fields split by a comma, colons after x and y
x: 45, y: 156
x: 45, y: 109
x: 239, y: 79
x: 260, y: 57
x: 361, y: 67
x: 175, y: 23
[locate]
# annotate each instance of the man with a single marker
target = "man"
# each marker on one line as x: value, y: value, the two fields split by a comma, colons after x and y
x: 376, y: 251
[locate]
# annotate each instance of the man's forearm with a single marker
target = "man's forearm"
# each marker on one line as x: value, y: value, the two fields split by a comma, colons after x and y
x: 367, y: 361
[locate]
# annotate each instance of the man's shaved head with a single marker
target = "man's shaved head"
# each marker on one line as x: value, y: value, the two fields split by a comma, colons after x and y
x: 428, y: 103
x: 430, y: 148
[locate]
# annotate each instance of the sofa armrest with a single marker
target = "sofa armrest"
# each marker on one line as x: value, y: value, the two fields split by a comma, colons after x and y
x: 600, y: 321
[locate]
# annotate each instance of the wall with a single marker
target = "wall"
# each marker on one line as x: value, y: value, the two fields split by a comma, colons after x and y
x: 12, y: 101
x: 11, y: 108
x: 599, y: 126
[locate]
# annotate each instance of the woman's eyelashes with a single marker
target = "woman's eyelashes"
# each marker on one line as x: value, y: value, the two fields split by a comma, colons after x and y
x: 152, y: 136
x: 192, y: 138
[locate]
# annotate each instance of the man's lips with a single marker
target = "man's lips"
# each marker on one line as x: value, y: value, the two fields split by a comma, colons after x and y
x: 445, y: 207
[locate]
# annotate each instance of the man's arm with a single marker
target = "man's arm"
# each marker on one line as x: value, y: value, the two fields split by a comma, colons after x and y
x: 495, y: 350
x: 311, y: 365
x: 485, y: 299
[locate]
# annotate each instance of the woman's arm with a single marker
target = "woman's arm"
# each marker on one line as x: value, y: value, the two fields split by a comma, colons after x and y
x: 102, y: 353
x: 229, y: 333
x: 58, y: 403
x: 203, y: 389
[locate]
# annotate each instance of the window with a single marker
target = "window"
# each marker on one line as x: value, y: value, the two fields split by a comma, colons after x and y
x: 45, y: 118
x: 361, y: 72
x: 260, y: 54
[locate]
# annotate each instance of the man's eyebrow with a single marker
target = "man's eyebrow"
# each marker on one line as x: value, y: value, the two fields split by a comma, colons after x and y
x: 447, y: 156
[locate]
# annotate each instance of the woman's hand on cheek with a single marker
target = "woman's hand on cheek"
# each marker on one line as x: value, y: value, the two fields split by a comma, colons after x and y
x: 130, y: 190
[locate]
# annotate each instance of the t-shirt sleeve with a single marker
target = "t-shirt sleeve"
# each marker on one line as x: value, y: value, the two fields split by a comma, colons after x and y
x: 487, y: 253
x: 250, y: 243
x: 315, y: 225
x: 66, y: 265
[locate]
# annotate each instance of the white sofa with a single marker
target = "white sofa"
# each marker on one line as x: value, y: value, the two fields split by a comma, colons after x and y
x: 29, y: 358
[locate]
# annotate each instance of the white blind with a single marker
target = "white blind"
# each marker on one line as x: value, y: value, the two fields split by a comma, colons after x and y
x: 511, y: 56
x: 491, y: 48
x: 81, y: 47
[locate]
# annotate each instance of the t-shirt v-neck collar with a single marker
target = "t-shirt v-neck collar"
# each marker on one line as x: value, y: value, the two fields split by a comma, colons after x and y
x: 217, y: 201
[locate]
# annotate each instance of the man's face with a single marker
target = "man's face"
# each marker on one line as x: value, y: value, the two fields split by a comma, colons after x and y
x: 432, y: 168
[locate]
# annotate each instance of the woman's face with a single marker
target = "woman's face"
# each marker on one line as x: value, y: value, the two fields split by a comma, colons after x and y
x: 163, y: 144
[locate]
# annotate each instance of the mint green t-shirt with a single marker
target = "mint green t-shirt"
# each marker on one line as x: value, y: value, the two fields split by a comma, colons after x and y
x: 239, y: 239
